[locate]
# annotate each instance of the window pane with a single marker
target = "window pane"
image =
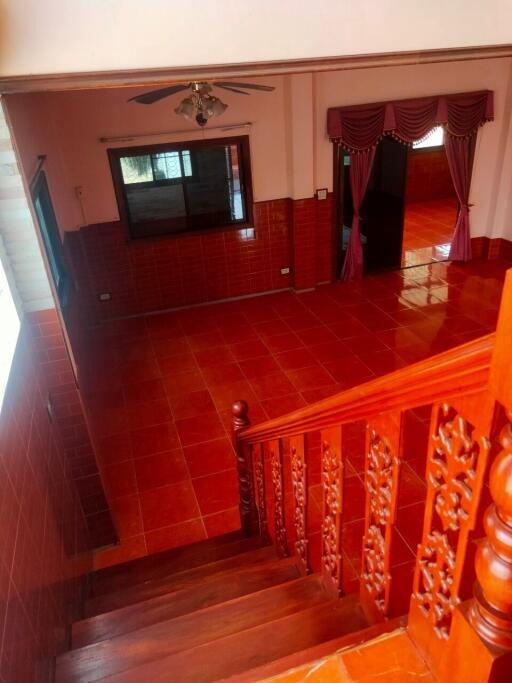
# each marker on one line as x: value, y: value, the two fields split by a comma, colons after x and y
x: 10, y: 328
x: 137, y: 169
x: 155, y: 203
x: 434, y: 139
x: 167, y: 165
x: 187, y: 163
x: 192, y: 189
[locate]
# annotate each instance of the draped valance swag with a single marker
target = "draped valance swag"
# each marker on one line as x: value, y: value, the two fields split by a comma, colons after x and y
x: 359, y: 128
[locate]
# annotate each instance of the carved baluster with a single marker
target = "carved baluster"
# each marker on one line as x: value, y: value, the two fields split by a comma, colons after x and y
x: 455, y: 468
x: 299, y: 485
x: 259, y: 478
x: 332, y: 480
x: 276, y: 468
x: 381, y: 484
x: 491, y: 612
x: 248, y: 512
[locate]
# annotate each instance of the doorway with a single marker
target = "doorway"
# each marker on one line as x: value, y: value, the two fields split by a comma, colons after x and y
x: 382, y: 210
x: 430, y: 203
x: 410, y: 207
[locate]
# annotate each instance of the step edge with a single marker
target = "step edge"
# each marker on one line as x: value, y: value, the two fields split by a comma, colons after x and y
x: 296, y: 582
x: 285, y: 562
x: 176, y: 575
x: 312, y: 610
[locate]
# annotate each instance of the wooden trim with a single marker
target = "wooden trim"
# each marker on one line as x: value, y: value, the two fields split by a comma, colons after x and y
x: 150, y: 77
x: 459, y: 371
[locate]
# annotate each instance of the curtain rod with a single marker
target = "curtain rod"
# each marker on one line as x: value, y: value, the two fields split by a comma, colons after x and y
x: 134, y: 136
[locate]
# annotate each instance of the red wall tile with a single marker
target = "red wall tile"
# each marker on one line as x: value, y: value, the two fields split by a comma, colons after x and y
x: 43, y: 531
x: 155, y: 274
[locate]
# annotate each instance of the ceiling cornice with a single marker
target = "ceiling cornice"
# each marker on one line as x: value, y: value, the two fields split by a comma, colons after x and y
x: 154, y: 77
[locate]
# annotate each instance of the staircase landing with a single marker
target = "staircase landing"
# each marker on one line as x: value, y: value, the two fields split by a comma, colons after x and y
x: 390, y: 658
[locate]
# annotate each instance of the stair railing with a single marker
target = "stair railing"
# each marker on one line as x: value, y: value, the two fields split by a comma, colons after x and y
x: 470, y: 390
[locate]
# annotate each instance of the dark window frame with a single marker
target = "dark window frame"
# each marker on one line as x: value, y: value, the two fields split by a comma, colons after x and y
x: 51, y: 239
x: 244, y: 164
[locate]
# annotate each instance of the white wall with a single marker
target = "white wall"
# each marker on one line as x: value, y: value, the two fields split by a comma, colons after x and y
x: 377, y: 85
x: 93, y: 35
x: 290, y: 151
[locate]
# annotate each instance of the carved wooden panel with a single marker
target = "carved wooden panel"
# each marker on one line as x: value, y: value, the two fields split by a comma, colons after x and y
x: 299, y: 487
x: 381, y: 483
x: 259, y: 478
x: 455, y: 467
x: 332, y: 480
x: 276, y: 468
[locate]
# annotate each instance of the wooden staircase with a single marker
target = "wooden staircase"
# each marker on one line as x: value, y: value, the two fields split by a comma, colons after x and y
x: 205, y: 612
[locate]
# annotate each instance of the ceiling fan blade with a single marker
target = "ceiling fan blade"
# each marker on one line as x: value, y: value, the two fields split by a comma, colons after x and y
x: 155, y: 95
x: 227, y: 87
x: 250, y: 86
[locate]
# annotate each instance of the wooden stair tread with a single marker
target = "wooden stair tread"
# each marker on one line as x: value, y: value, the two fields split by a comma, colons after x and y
x: 218, y: 588
x: 177, y: 581
x: 248, y: 649
x: 189, y: 631
x: 171, y: 561
x: 320, y: 651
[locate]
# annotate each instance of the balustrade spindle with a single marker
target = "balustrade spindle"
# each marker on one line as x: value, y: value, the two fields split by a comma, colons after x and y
x: 248, y: 512
x: 299, y: 485
x: 276, y: 468
x: 381, y: 482
x: 259, y: 478
x: 491, y: 612
x: 455, y: 468
x: 332, y: 481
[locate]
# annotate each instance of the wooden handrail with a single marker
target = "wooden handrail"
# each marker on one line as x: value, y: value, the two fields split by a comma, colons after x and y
x: 461, y: 370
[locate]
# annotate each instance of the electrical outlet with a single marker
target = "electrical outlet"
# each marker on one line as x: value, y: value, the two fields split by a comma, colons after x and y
x: 285, y: 271
x: 104, y: 296
x: 321, y: 194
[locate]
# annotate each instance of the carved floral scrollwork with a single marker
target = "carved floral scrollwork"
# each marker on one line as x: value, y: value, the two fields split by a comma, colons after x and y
x: 454, y: 478
x: 277, y: 483
x: 331, y: 484
x: 376, y: 577
x: 259, y: 475
x: 381, y: 481
x: 299, y: 493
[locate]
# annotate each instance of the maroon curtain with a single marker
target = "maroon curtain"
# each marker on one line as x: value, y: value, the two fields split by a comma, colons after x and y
x: 360, y: 169
x: 457, y: 152
x: 357, y: 128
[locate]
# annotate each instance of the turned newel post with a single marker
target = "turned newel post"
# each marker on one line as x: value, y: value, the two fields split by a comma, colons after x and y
x: 248, y: 511
x: 491, y: 612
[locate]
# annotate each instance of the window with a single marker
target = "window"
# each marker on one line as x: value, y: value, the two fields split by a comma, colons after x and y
x: 434, y: 139
x: 10, y: 327
x: 175, y: 188
x: 51, y: 237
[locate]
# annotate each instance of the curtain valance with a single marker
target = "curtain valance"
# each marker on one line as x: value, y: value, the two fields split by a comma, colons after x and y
x: 359, y: 128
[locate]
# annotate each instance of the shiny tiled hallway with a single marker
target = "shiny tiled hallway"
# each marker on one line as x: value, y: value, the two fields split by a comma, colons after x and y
x: 428, y: 231
x: 159, y: 389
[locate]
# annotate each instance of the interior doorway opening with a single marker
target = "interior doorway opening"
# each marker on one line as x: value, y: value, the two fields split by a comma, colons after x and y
x: 409, y: 209
x: 430, y: 203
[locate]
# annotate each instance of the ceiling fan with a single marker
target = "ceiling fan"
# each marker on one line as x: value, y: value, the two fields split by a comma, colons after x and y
x: 200, y: 104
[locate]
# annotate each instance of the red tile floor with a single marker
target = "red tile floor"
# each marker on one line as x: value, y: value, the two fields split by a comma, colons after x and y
x: 158, y: 390
x: 428, y: 231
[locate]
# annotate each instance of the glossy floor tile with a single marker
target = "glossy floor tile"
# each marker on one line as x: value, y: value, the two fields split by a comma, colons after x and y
x: 428, y: 231
x: 159, y: 391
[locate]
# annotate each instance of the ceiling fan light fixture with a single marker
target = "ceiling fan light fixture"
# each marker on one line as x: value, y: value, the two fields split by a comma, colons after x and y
x: 186, y: 108
x: 216, y: 106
